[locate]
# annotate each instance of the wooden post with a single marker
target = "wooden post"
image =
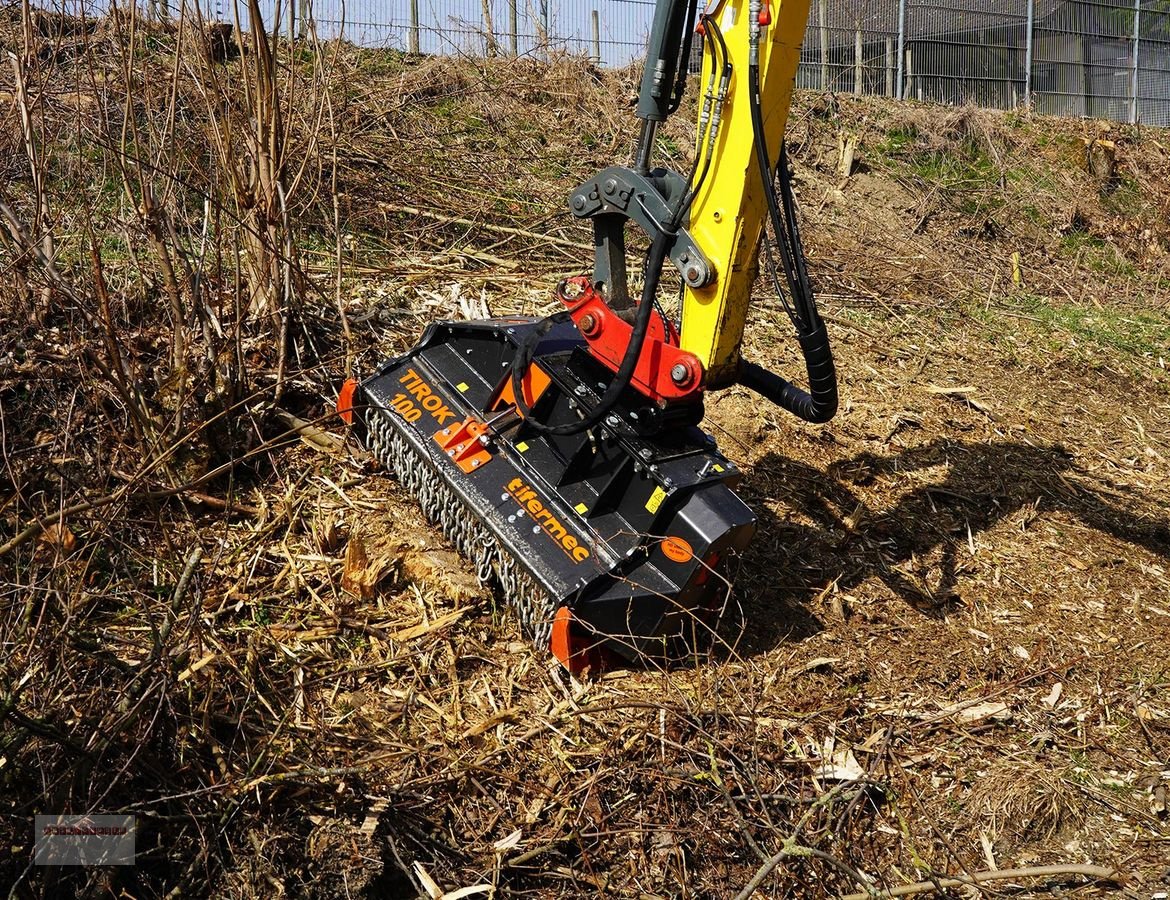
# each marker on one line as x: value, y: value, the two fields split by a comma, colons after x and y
x: 1135, y: 112
x: 597, y: 37
x: 1029, y: 52
x: 292, y: 20
x: 513, y: 29
x: 305, y: 15
x: 858, y: 62
x: 489, y: 28
x: 901, y: 82
x: 889, y: 67
x: 413, y: 42
x: 823, y: 15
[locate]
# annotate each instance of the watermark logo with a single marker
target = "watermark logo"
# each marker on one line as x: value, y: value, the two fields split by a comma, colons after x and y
x: 84, y: 841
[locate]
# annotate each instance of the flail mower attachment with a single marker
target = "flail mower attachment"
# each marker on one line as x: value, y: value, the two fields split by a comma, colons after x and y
x: 563, y: 455
x: 607, y: 543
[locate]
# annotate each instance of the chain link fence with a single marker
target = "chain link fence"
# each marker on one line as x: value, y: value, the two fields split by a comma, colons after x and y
x: 1100, y: 58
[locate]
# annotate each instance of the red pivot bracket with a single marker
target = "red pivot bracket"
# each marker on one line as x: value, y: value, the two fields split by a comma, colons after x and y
x: 664, y: 373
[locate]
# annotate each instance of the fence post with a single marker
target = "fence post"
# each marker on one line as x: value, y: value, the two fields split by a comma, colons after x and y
x: 491, y: 48
x: 858, y: 61
x: 513, y: 30
x: 597, y: 37
x: 822, y: 16
x: 412, y: 40
x: 1029, y: 52
x: 1134, y: 114
x: 901, y: 50
x: 889, y: 67
x: 292, y: 20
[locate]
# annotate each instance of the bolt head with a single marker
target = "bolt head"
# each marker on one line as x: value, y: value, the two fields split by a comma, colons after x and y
x: 588, y: 323
x: 579, y: 202
x: 694, y: 275
x: 680, y: 374
x: 610, y: 186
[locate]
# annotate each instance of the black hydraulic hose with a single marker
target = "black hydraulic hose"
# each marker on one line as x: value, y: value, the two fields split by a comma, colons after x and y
x: 819, y: 403
x: 621, y: 380
x: 647, y: 306
x: 802, y: 319
x: 684, y: 66
x: 793, y: 233
x: 816, y: 405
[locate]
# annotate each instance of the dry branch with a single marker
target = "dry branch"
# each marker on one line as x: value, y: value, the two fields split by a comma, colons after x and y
x: 1099, y: 873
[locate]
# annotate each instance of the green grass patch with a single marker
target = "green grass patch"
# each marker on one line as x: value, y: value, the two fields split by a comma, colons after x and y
x: 1096, y: 254
x: 1131, y: 332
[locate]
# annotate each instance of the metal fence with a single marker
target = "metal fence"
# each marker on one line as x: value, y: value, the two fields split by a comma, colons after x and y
x: 1101, y: 58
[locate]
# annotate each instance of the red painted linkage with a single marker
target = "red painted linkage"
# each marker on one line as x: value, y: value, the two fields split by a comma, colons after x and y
x: 664, y: 373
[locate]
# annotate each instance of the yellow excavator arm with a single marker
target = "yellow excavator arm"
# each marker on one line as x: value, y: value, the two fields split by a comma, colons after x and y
x: 730, y: 209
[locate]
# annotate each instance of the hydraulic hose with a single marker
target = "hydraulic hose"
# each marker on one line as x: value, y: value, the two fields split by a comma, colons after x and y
x: 647, y: 306
x: 659, y: 249
x: 819, y: 403
x: 816, y: 405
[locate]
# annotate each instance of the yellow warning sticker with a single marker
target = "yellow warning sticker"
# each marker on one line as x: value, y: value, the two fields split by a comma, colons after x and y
x: 463, y: 386
x: 522, y: 446
x: 717, y: 467
x: 582, y: 508
x: 655, y: 500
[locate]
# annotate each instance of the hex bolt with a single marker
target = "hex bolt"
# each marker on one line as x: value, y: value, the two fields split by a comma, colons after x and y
x: 580, y: 390
x: 694, y: 275
x: 588, y: 323
x: 610, y: 186
x: 646, y: 453
x: 579, y: 202
x: 612, y: 421
x: 680, y: 374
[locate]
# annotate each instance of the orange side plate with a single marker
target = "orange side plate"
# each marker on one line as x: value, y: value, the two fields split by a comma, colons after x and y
x: 578, y: 652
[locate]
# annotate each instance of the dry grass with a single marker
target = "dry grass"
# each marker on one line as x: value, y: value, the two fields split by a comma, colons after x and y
x: 955, y: 608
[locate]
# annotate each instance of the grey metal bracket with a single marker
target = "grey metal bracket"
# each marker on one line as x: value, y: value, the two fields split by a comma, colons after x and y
x: 618, y: 193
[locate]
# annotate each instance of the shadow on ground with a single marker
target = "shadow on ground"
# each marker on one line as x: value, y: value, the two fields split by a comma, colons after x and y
x: 914, y: 541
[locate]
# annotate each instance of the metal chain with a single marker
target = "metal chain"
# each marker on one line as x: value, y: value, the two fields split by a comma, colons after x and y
x: 494, y: 565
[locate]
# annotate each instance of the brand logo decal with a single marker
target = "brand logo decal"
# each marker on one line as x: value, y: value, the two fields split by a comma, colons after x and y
x: 426, y: 396
x: 544, y: 517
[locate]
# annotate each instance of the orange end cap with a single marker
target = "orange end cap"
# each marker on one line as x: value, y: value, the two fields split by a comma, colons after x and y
x: 345, y: 400
x: 566, y: 645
